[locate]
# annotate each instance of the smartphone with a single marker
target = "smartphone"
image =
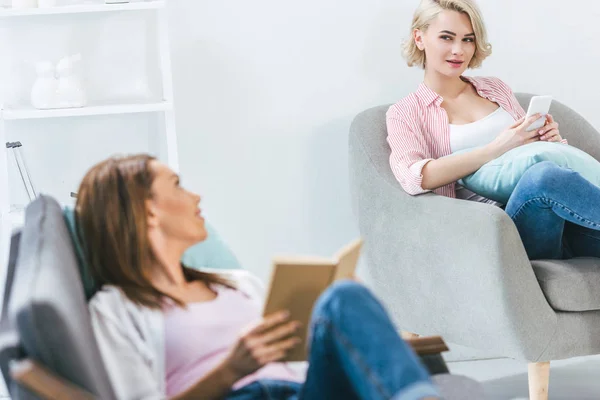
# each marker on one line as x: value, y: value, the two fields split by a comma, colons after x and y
x: 541, y: 105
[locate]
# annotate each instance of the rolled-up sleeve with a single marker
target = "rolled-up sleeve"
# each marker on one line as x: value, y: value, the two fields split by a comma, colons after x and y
x: 409, y: 153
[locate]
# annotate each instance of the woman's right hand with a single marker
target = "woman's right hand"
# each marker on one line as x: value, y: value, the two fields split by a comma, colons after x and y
x: 515, y: 136
x: 264, y: 342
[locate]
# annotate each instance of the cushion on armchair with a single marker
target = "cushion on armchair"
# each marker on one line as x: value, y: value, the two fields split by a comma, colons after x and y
x: 570, y: 285
x: 212, y: 253
x: 497, y: 179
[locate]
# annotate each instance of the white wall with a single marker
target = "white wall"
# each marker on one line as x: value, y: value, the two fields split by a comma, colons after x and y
x: 266, y: 91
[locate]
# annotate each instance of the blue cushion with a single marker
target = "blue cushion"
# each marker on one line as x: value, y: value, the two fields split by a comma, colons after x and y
x: 211, y: 253
x: 497, y: 179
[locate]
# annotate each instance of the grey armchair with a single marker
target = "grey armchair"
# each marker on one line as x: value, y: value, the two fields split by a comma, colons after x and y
x: 458, y: 268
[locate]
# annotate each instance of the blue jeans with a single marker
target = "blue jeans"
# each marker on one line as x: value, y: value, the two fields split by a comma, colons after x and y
x: 557, y: 213
x: 355, y: 353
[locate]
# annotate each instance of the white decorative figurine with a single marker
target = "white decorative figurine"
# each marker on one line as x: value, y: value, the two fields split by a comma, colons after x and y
x: 46, y: 3
x: 70, y: 88
x: 58, y: 87
x: 44, y: 94
x: 19, y: 4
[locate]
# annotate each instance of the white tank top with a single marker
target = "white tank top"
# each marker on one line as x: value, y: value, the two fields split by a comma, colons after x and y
x: 481, y: 132
x: 477, y: 134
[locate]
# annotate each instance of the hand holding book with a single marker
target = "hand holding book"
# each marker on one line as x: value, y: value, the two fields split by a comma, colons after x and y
x: 267, y: 341
x: 297, y: 283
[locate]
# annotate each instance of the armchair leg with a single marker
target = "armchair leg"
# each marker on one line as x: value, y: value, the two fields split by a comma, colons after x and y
x: 408, y: 335
x: 539, y: 379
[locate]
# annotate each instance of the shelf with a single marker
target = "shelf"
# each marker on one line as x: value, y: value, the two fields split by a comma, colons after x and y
x: 107, y: 109
x: 83, y: 8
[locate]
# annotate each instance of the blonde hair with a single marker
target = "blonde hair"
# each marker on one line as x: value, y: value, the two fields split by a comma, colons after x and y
x: 428, y: 10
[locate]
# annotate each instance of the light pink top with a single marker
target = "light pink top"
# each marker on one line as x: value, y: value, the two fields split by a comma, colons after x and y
x: 419, y: 131
x: 198, y: 338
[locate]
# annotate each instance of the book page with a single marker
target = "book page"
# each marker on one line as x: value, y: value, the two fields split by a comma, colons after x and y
x: 297, y: 282
x: 347, y: 260
x: 296, y: 288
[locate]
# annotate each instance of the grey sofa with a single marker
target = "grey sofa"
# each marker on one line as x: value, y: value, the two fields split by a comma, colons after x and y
x: 458, y: 268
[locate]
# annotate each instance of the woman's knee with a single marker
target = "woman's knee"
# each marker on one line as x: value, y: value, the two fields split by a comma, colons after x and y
x: 338, y: 296
x: 544, y: 176
x: 545, y: 172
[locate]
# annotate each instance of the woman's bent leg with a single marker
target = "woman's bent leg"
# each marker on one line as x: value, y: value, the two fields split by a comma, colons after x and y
x: 356, y: 352
x: 546, y: 196
x: 581, y: 241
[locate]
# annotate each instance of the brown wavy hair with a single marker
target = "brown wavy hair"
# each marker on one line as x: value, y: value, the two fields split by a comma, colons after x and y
x: 112, y: 226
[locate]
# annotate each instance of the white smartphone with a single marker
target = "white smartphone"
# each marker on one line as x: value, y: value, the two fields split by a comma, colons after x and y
x: 541, y: 105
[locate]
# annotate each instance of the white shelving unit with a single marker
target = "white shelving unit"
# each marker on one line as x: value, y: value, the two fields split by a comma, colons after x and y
x: 84, y: 8
x: 164, y: 105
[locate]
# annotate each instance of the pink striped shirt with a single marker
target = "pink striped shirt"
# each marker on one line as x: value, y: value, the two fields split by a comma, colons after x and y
x: 419, y: 131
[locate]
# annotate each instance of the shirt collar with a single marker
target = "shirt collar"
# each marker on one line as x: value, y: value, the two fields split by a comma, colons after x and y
x: 428, y: 96
x: 480, y: 87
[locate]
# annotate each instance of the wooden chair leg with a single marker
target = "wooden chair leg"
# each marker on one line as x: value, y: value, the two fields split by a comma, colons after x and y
x: 539, y: 379
x: 408, y: 335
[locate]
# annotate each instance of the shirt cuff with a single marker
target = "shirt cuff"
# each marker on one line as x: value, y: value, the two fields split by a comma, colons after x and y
x: 416, y: 175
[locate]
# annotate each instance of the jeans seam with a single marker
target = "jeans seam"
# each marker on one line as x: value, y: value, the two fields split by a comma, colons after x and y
x: 355, y: 356
x: 520, y: 209
x: 553, y: 202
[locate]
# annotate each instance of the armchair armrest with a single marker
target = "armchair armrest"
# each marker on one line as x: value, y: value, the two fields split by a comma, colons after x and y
x: 45, y: 383
x: 450, y: 267
x: 429, y: 349
x: 427, y: 345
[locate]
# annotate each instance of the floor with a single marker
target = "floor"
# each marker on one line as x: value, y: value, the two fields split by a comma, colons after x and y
x: 503, y: 379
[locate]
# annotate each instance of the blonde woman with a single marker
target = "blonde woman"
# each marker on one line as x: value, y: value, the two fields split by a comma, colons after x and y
x: 553, y: 208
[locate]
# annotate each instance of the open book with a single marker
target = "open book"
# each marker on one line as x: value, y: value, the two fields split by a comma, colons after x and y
x: 297, y: 282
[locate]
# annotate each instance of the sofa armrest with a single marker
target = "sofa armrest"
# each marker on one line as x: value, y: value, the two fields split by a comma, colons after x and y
x: 450, y: 267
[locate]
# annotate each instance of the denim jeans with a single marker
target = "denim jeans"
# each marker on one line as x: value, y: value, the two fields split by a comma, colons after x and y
x: 355, y: 353
x: 557, y: 213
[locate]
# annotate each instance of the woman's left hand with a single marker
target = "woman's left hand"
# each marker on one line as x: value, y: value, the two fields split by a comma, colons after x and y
x: 549, y: 132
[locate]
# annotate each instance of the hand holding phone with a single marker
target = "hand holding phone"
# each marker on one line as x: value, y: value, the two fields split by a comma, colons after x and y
x: 538, y: 105
x: 516, y: 135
